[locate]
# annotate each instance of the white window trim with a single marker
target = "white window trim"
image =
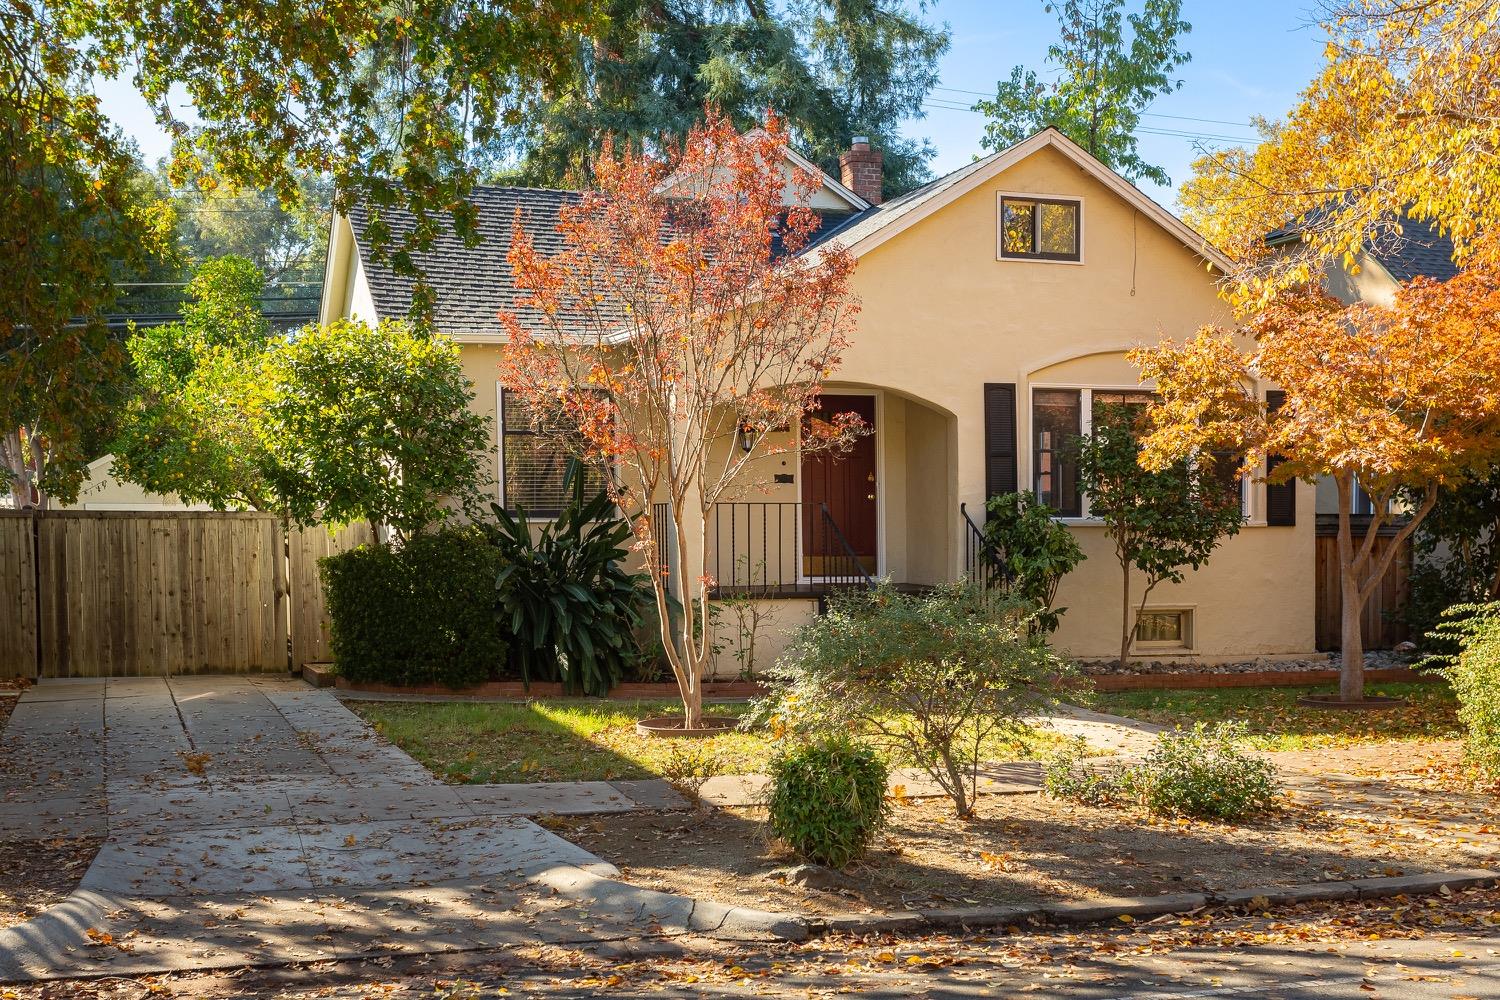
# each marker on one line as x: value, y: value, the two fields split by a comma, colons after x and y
x: 1000, y: 197
x: 1253, y: 516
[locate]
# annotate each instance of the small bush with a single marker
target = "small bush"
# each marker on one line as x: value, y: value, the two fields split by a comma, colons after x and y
x: 420, y: 614
x: 935, y: 677
x: 1198, y: 772
x: 689, y: 763
x: 1029, y: 553
x: 1474, y: 675
x: 828, y: 799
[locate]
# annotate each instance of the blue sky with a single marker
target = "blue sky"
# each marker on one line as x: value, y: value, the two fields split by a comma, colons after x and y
x: 1248, y: 59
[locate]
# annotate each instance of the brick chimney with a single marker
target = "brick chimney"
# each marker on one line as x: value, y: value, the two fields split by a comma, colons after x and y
x: 859, y: 169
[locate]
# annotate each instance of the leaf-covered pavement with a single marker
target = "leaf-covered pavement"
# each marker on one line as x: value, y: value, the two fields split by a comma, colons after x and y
x: 1446, y: 946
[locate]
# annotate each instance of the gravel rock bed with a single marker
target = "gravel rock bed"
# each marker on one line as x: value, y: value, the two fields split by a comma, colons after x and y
x: 1374, y: 659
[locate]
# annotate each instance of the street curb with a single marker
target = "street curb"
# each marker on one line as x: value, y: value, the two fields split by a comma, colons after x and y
x: 1094, y: 911
x: 57, y: 930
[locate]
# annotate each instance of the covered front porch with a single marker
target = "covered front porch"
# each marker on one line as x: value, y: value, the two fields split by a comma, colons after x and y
x: 807, y: 524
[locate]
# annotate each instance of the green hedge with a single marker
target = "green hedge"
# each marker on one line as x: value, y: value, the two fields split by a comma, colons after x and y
x: 421, y: 614
x: 1474, y: 674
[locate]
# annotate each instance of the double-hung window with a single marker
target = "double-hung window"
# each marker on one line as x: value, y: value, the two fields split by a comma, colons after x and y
x: 1040, y: 228
x: 534, y: 462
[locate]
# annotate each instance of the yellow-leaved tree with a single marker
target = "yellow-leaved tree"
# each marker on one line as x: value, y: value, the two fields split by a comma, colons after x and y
x: 1400, y: 398
x: 1403, y: 123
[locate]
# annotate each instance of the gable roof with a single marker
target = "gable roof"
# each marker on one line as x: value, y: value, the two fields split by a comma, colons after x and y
x: 474, y: 284
x: 1418, y: 250
x: 882, y: 222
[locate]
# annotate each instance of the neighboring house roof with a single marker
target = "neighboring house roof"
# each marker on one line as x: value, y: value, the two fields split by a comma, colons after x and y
x: 1418, y: 250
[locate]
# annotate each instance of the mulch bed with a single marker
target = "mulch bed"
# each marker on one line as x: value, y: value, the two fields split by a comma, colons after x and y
x: 1027, y: 847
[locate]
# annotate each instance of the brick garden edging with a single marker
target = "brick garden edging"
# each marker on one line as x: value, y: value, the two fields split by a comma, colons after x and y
x: 319, y: 675
x: 1263, y: 678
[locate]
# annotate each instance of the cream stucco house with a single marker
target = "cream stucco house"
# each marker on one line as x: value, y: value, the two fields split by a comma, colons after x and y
x: 998, y: 304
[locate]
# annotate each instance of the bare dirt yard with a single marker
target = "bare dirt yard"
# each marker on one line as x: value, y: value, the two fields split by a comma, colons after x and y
x: 1361, y: 812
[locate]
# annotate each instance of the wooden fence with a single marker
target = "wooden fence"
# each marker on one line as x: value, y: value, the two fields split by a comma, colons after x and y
x: 1379, y: 625
x: 116, y: 593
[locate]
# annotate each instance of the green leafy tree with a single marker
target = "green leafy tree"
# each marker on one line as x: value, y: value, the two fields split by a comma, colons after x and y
x: 387, y: 101
x: 831, y: 69
x: 193, y: 427
x: 73, y: 221
x: 288, y: 242
x: 334, y: 424
x: 371, y: 423
x: 1456, y: 551
x: 1031, y: 553
x: 1103, y: 83
x: 1161, y: 522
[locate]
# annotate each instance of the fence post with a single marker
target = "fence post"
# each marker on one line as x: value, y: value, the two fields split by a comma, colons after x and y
x: 36, y: 595
x: 282, y: 560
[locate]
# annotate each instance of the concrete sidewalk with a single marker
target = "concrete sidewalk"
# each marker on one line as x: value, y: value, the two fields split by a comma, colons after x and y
x: 256, y: 820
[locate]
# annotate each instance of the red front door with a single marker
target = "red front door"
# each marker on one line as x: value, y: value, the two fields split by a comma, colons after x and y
x: 842, y: 541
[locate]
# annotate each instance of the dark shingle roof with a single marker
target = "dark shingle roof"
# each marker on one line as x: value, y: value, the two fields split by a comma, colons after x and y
x: 474, y: 284
x: 1419, y: 249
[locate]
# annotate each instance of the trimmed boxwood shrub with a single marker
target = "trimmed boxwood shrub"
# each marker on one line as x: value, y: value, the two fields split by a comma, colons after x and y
x: 420, y: 614
x: 828, y: 799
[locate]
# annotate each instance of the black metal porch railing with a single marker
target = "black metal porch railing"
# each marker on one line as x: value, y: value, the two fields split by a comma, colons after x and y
x: 984, y: 563
x: 661, y: 534
x: 782, y: 547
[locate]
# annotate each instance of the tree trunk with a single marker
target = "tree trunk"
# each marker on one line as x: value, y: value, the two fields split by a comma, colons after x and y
x: 1127, y: 627
x: 690, y: 676
x: 1351, y: 642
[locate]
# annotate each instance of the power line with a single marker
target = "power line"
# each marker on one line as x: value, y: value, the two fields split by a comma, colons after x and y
x: 1144, y: 129
x: 1144, y: 114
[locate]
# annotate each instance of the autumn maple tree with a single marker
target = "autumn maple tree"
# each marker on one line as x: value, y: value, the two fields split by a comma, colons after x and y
x: 679, y: 325
x: 1399, y: 399
x: 1402, y: 123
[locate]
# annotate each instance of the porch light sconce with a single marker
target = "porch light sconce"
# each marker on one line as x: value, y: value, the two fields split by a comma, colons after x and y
x: 747, y: 435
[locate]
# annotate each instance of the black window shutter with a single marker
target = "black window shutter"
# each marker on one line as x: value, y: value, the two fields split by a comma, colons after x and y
x: 1281, y: 498
x: 999, y: 438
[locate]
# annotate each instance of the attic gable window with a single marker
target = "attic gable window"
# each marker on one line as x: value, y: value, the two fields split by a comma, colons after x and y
x: 1040, y: 228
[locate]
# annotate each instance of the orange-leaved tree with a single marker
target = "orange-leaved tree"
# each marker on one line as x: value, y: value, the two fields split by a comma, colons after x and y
x: 679, y: 324
x: 1399, y: 399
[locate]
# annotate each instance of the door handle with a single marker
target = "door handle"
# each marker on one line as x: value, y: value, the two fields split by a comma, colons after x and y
x: 869, y: 496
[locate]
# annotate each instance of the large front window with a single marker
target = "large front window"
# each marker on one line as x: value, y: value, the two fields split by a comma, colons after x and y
x: 1060, y: 417
x: 533, y: 462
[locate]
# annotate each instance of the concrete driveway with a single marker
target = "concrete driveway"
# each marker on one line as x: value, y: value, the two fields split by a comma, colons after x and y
x: 255, y: 820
